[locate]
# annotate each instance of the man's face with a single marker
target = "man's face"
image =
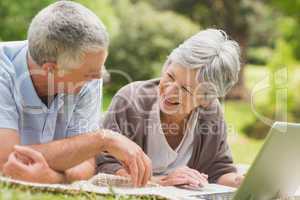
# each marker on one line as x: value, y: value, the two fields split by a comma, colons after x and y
x: 71, y: 81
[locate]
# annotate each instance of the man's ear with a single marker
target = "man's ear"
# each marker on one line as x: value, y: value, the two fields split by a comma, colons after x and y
x: 49, y: 67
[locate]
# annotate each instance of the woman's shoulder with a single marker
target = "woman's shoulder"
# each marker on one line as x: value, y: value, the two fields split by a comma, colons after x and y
x: 214, y: 111
x: 211, y: 121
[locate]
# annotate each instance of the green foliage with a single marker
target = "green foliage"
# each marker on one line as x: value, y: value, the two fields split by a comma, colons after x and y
x: 282, y: 103
x: 262, y: 32
x: 291, y: 9
x: 259, y: 55
x: 104, y: 10
x: 282, y: 59
x: 146, y: 37
x: 15, y: 17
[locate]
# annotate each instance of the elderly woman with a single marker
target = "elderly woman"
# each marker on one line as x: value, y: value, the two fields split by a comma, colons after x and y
x: 177, y: 119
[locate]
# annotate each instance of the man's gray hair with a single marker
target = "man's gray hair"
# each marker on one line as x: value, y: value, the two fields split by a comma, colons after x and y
x: 63, y: 32
x: 216, y: 57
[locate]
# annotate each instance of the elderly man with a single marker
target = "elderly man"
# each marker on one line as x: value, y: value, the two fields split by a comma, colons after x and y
x: 50, y: 91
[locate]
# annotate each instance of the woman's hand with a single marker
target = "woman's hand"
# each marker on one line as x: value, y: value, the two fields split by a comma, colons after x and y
x: 29, y: 165
x: 184, y: 176
x: 231, y: 180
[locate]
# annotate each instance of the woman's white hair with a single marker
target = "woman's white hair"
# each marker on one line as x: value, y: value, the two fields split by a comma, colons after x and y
x: 214, y: 54
x: 63, y: 32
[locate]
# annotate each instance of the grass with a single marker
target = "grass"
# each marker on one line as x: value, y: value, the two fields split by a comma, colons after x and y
x: 13, y: 192
x: 244, y: 149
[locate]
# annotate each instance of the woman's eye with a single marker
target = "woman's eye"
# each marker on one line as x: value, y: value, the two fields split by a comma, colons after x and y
x: 170, y: 76
x: 186, y: 90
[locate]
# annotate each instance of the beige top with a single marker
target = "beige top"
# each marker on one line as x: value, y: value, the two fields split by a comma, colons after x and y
x: 164, y: 158
x: 131, y: 112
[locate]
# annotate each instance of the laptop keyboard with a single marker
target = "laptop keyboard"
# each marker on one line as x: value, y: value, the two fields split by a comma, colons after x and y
x: 217, y: 196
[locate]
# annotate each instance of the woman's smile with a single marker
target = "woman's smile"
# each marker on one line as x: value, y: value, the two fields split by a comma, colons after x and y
x: 170, y: 103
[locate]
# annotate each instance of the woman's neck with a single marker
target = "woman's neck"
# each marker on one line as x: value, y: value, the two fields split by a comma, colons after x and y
x: 178, y: 120
x: 166, y: 118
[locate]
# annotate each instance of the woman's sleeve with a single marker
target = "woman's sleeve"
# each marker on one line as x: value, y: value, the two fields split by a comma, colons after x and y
x: 115, y: 119
x: 222, y: 162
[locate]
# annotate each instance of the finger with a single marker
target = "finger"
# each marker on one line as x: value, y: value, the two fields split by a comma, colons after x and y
x: 201, y: 177
x: 191, y: 180
x: 182, y: 176
x: 17, y: 164
x: 205, y: 175
x: 36, y: 156
x: 125, y: 166
x: 197, y: 175
x: 176, y: 181
x: 133, y: 169
x: 122, y: 172
x: 10, y: 171
x: 24, y: 159
x: 148, y: 169
x: 172, y: 181
x: 239, y: 180
x: 141, y: 171
x: 191, y: 175
x: 203, y: 183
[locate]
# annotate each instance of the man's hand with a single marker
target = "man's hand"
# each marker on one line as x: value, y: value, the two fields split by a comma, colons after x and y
x: 184, y: 176
x: 136, y: 162
x: 83, y: 171
x: 9, y: 138
x: 29, y: 165
x: 122, y: 172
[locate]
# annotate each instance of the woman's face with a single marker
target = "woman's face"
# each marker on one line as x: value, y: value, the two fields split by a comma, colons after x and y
x: 180, y: 92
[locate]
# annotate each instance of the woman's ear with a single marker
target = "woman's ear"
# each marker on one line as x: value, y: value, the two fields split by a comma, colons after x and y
x: 49, y: 67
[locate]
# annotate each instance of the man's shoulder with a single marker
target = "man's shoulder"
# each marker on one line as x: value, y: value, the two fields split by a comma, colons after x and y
x: 12, y: 48
x: 8, y: 52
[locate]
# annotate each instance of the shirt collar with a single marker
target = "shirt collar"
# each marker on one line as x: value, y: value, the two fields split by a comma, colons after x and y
x: 24, y: 84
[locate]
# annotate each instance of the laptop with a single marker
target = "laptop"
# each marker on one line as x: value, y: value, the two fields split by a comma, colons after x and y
x: 275, y: 173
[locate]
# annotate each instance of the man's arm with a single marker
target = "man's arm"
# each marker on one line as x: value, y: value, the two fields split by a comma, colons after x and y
x: 8, y: 115
x: 60, y: 155
x: 9, y: 138
x: 66, y: 153
x: 83, y: 171
x: 29, y: 165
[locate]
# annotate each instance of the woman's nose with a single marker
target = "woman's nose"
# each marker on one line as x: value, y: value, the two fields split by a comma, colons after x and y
x: 171, y: 89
